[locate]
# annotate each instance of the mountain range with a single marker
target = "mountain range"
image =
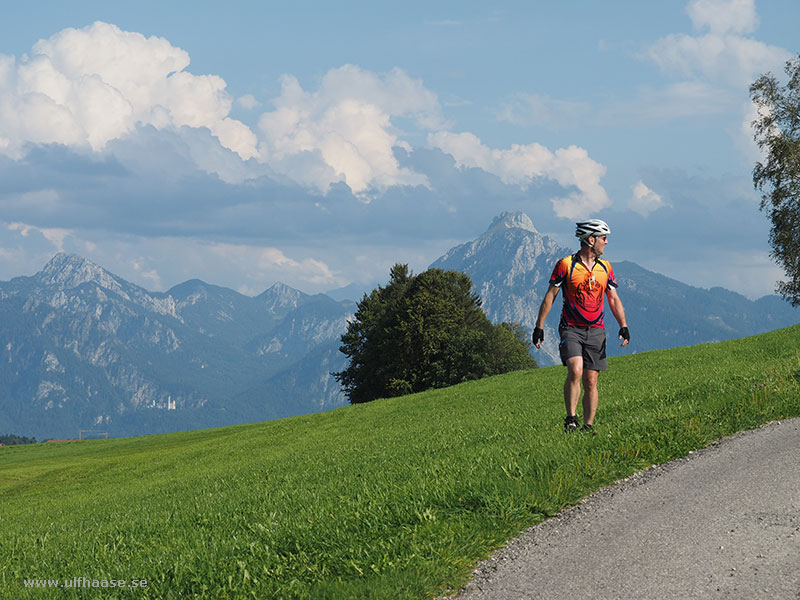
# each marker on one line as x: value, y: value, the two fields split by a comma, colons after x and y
x: 81, y: 348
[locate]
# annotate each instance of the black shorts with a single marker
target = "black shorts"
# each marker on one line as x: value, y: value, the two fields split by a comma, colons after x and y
x: 588, y: 342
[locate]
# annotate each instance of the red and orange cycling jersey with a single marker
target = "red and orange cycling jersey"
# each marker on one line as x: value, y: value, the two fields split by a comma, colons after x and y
x: 584, y: 290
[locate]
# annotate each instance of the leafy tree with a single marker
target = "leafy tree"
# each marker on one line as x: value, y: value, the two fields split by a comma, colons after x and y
x: 10, y: 439
x: 777, y: 132
x: 425, y: 331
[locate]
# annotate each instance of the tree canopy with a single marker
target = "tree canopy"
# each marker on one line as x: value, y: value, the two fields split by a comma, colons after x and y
x: 425, y: 331
x: 9, y: 439
x: 777, y: 132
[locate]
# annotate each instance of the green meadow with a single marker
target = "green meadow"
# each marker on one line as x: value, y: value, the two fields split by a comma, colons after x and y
x: 397, y: 498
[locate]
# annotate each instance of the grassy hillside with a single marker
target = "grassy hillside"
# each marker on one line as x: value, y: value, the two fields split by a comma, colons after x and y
x: 392, y: 499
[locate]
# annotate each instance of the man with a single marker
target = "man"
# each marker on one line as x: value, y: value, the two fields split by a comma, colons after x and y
x: 585, y: 279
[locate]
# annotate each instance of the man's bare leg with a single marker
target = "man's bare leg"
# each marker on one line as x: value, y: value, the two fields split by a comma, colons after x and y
x: 572, y: 385
x: 590, y: 395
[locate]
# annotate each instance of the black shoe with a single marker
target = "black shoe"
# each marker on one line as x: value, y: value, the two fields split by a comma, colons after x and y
x: 588, y: 429
x: 570, y: 424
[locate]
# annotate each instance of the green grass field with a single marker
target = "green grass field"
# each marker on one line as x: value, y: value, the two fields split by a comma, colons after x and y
x: 393, y: 499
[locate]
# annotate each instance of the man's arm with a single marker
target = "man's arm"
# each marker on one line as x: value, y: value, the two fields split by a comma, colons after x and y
x: 544, y: 309
x: 615, y: 304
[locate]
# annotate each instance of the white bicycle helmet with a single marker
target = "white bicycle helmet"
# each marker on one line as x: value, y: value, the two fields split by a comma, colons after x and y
x: 591, y: 228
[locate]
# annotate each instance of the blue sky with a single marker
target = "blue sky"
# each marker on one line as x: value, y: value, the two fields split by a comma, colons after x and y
x: 319, y: 143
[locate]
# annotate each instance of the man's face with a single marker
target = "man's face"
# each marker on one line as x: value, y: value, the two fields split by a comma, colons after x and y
x: 600, y: 243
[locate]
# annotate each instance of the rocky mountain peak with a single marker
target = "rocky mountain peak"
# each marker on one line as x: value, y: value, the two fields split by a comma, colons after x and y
x: 66, y: 272
x: 281, y: 298
x: 69, y: 271
x: 512, y: 220
x: 283, y: 291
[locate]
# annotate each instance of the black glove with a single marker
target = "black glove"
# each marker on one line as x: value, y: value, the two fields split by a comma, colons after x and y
x: 538, y: 336
x: 624, y: 333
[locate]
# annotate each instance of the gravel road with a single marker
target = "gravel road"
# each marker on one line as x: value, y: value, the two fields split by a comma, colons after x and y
x: 723, y: 522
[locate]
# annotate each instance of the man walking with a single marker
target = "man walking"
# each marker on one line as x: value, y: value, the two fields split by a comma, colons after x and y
x: 586, y: 280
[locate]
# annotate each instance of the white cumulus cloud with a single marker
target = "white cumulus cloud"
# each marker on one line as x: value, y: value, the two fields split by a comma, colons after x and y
x: 343, y: 131
x: 90, y: 88
x: 723, y: 54
x: 644, y: 200
x: 522, y: 164
x: 723, y: 16
x: 86, y: 87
